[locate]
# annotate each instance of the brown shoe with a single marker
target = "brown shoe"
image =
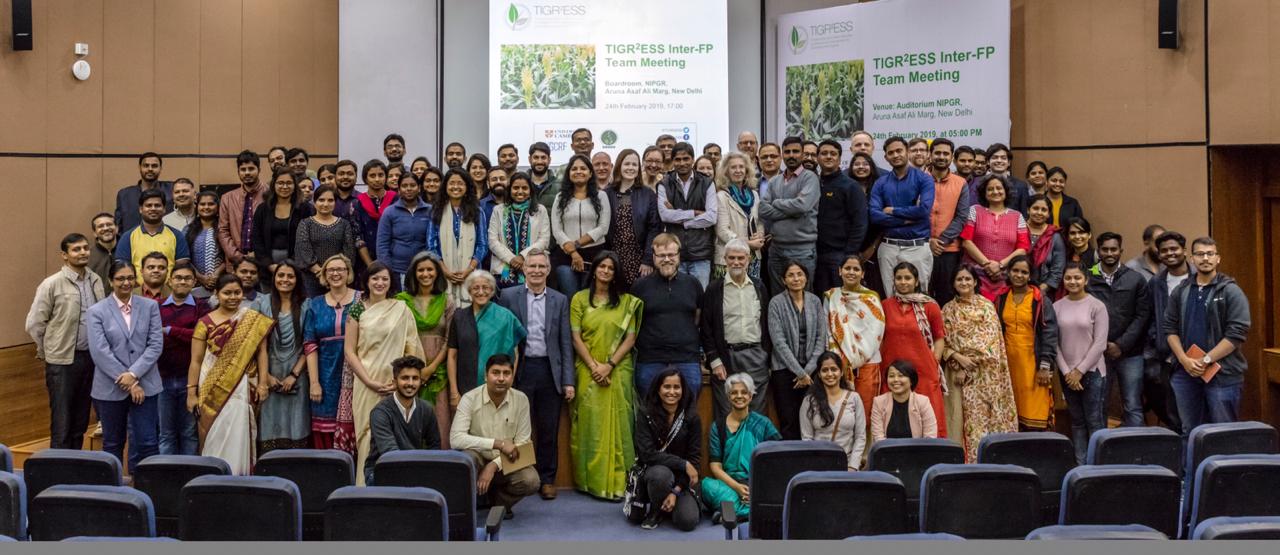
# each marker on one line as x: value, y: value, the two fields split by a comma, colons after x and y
x: 547, y: 492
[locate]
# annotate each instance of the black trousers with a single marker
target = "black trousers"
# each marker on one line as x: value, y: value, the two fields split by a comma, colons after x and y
x: 786, y: 401
x: 942, y: 279
x: 826, y: 273
x: 1158, y: 393
x: 657, y: 482
x: 535, y: 380
x: 69, y: 386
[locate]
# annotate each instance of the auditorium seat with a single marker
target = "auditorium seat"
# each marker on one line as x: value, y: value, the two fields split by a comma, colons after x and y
x: 68, y: 510
x: 317, y: 473
x: 1138, y: 445
x: 51, y: 467
x: 1238, y: 528
x: 13, y: 506
x: 162, y: 477
x: 104, y: 539
x: 240, y: 508
x: 1049, y: 454
x: 1122, y: 494
x: 980, y: 501
x: 1104, y: 532
x: 386, y: 513
x: 835, y: 504
x: 908, y: 459
x: 453, y: 474
x: 1235, y: 485
x: 1232, y: 438
x: 6, y: 539
x: 915, y: 536
x: 773, y: 465
x: 6, y: 459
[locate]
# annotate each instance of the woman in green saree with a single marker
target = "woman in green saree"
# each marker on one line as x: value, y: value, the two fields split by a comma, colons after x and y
x: 604, y: 320
x: 432, y: 310
x: 731, y: 442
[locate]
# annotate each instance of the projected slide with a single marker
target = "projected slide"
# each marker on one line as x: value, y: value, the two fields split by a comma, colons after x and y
x: 628, y: 71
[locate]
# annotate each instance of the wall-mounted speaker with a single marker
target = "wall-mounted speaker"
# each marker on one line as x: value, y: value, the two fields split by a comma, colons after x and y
x: 22, y: 25
x: 1168, y: 37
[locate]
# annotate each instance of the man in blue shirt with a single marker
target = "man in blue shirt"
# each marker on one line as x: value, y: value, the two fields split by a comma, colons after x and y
x: 901, y: 203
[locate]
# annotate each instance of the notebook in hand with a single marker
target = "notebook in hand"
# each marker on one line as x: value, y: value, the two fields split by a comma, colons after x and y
x: 524, y: 457
x: 1196, y: 353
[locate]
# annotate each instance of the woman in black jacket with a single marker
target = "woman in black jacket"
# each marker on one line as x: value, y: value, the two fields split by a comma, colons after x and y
x: 668, y: 418
x: 275, y: 222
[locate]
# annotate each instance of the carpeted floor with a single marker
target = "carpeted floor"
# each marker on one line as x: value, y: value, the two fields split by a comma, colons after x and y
x: 575, y: 516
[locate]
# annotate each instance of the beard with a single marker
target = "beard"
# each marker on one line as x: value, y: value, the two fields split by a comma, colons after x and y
x: 737, y: 273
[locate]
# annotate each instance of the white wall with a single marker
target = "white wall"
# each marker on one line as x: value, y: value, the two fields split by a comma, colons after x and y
x: 387, y: 77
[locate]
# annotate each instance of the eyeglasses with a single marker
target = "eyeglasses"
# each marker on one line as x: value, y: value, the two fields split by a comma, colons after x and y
x: 666, y: 256
x: 1204, y: 255
x: 336, y: 270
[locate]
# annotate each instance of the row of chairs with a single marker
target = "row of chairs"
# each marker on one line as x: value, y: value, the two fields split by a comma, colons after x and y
x: 194, y: 497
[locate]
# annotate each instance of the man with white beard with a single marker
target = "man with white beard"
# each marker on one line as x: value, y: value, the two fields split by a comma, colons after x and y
x: 732, y: 328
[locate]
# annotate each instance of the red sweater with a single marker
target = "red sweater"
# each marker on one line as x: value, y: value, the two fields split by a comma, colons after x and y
x: 179, y: 321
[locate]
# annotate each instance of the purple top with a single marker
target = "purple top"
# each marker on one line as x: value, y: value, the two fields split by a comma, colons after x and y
x: 1082, y: 334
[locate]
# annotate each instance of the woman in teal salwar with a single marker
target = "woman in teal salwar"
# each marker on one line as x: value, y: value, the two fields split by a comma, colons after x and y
x: 731, y: 442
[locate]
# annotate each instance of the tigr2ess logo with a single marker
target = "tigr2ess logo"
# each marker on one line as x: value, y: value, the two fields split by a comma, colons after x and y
x: 517, y: 16
x: 799, y: 39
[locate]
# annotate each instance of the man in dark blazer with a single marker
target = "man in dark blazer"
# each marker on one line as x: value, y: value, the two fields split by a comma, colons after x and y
x: 734, y: 330
x: 546, y: 374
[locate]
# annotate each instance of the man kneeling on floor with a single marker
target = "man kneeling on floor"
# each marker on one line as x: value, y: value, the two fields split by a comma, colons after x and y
x: 491, y: 421
x: 401, y: 421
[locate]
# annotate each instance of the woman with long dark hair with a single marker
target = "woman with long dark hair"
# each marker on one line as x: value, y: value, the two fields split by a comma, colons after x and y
x: 580, y: 221
x: 285, y: 416
x: 833, y: 411
x: 516, y: 227
x: 635, y: 221
x: 668, y: 441
x: 202, y: 242
x: 321, y: 237
x: 1082, y: 338
x: 604, y: 319
x: 862, y: 168
x: 1080, y: 249
x: 460, y: 235
x: 276, y: 220
x: 478, y: 167
x: 913, y: 332
x: 798, y: 330
x: 855, y: 323
x: 1065, y: 207
x: 424, y: 293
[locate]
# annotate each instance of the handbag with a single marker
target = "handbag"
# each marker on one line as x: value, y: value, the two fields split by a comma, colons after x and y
x: 630, y: 494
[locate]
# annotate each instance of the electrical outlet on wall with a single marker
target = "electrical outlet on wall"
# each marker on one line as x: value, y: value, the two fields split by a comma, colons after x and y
x: 82, y: 49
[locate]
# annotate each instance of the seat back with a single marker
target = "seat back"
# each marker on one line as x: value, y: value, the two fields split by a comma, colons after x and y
x: 835, y: 504
x: 1122, y: 494
x: 1238, y: 528
x: 13, y: 506
x: 317, y: 473
x: 1232, y: 438
x: 240, y: 508
x: 1049, y: 454
x: 51, y: 467
x: 1140, y: 445
x: 980, y: 501
x: 452, y: 473
x: 914, y: 536
x: 121, y: 539
x: 6, y: 459
x: 773, y: 464
x: 386, y: 513
x: 68, y: 510
x: 1096, y: 532
x: 1236, y: 485
x: 908, y: 459
x: 161, y: 477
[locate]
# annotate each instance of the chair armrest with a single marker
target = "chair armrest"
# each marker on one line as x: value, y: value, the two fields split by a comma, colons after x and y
x: 728, y: 519
x: 493, y: 523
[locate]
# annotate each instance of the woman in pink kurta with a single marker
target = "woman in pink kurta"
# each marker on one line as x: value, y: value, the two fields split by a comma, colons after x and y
x: 993, y: 234
x: 913, y: 332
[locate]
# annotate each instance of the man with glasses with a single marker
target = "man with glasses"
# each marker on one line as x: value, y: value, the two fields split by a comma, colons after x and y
x: 1205, y: 324
x: 581, y: 143
x: 669, y: 336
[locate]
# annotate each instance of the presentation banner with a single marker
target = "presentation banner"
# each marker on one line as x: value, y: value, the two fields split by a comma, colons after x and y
x: 912, y: 68
x: 628, y: 71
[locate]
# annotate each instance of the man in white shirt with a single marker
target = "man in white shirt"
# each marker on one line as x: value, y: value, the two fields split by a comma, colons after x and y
x: 184, y: 205
x: 492, y: 420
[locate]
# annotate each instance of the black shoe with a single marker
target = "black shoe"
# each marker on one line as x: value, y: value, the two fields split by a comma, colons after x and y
x: 508, y: 514
x: 651, y: 520
x: 717, y: 518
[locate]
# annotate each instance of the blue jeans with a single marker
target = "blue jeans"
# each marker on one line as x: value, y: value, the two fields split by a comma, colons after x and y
x: 138, y: 420
x: 568, y: 281
x: 1087, y: 408
x: 177, y: 426
x: 1129, y: 373
x: 646, y: 372
x: 700, y: 269
x: 1201, y: 403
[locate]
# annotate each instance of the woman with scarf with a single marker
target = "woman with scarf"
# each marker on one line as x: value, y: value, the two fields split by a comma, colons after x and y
x: 517, y: 227
x: 1031, y: 345
x: 855, y: 319
x: 432, y: 311
x: 285, y: 422
x: 1048, y: 248
x: 993, y: 234
x: 324, y: 328
x: 478, y: 332
x: 976, y: 364
x: 739, y: 216
x: 460, y: 236
x: 227, y: 347
x: 634, y: 222
x: 371, y: 204
x: 913, y: 332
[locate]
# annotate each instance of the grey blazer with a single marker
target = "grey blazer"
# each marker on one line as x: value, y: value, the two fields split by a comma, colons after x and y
x: 117, y: 348
x: 784, y: 330
x: 559, y: 338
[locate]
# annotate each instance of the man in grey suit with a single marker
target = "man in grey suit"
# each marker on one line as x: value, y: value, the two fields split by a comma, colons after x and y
x: 125, y: 341
x: 546, y: 375
x: 790, y: 210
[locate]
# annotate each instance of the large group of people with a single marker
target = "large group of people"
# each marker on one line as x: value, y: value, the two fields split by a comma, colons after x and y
x: 462, y: 307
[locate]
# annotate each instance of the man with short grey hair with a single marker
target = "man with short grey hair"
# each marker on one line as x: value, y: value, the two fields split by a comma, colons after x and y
x: 733, y: 328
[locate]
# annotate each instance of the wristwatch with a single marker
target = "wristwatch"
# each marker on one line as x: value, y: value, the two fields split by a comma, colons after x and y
x: 1206, y: 360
